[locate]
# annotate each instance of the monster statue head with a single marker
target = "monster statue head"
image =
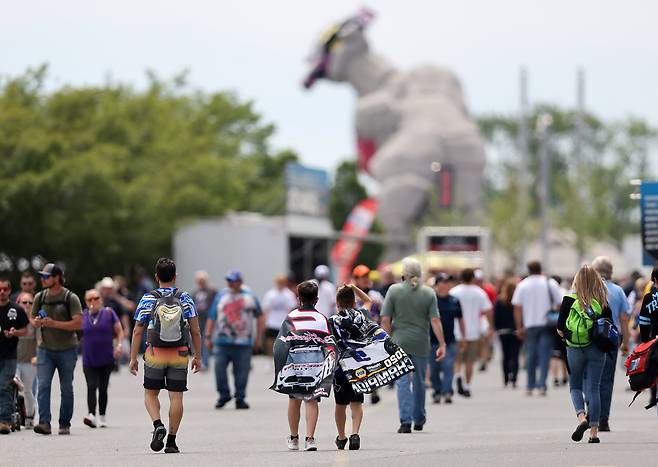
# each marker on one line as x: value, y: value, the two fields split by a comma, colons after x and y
x: 338, y: 47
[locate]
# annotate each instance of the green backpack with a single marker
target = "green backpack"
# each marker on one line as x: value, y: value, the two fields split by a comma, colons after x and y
x: 579, y: 324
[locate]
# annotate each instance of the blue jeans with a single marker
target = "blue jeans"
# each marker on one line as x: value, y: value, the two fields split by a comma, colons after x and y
x: 411, y: 393
x: 7, y: 372
x: 607, y: 382
x: 240, y: 356
x: 205, y: 351
x: 64, y: 362
x: 538, y: 345
x: 441, y: 373
x: 586, y: 361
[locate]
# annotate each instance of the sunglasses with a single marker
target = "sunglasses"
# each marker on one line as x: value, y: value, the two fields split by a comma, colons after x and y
x: 26, y: 302
x: 45, y: 277
x: 4, y: 289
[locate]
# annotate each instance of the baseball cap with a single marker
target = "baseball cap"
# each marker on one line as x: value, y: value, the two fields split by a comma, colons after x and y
x: 443, y: 277
x: 360, y: 271
x: 51, y: 269
x: 478, y: 274
x: 321, y: 272
x: 107, y: 283
x: 233, y: 275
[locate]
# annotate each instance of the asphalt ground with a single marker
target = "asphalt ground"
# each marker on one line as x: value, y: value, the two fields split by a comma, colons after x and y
x: 496, y: 427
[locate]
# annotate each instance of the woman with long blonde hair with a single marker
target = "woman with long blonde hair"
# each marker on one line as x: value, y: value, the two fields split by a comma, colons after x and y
x: 578, y: 313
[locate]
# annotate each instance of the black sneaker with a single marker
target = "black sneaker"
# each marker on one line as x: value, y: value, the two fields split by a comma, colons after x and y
x: 374, y: 398
x: 466, y: 393
x: 157, y: 442
x: 418, y: 427
x: 460, y: 386
x: 594, y: 440
x: 580, y: 431
x: 172, y: 449
x: 241, y: 404
x: 221, y: 403
x: 340, y: 443
x: 604, y: 425
x: 355, y: 442
x: 447, y: 399
x: 436, y: 398
x: 405, y: 428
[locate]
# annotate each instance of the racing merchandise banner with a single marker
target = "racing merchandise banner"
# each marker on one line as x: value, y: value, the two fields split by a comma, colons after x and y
x: 304, y: 356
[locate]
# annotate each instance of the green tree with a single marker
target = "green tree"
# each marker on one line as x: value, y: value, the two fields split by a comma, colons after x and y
x: 99, y: 177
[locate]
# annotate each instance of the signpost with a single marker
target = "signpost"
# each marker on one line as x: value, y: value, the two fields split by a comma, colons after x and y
x: 649, y: 222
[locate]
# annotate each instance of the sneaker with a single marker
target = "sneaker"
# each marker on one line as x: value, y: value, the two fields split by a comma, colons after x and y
x: 42, y: 429
x: 90, y: 420
x: 374, y: 398
x: 29, y: 423
x: 447, y: 399
x: 355, y: 442
x: 241, y: 404
x: 340, y: 443
x: 293, y: 443
x: 64, y: 430
x: 102, y: 421
x: 460, y: 386
x: 309, y: 444
x: 604, y: 425
x: 436, y: 398
x: 221, y: 403
x: 580, y: 431
x: 594, y: 440
x: 5, y: 429
x: 405, y: 428
x: 157, y: 442
x: 173, y: 449
x: 418, y: 427
x: 466, y: 393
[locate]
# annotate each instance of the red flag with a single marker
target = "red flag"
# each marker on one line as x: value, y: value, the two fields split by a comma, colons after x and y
x: 357, y: 226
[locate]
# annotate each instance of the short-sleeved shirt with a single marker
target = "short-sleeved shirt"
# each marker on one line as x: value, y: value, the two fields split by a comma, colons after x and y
x: 61, y: 307
x: 11, y: 316
x: 449, y: 309
x: 536, y: 295
x: 411, y: 310
x: 351, y: 324
x: 617, y: 302
x: 326, y: 298
x: 234, y: 315
x: 98, y: 334
x: 203, y: 299
x: 146, y: 304
x: 27, y: 346
x: 473, y: 301
x: 277, y: 303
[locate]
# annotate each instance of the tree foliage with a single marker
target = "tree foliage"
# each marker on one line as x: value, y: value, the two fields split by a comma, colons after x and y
x: 99, y: 177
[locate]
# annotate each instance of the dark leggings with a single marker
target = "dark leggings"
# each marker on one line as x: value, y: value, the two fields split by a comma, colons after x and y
x: 511, y: 347
x: 98, y: 379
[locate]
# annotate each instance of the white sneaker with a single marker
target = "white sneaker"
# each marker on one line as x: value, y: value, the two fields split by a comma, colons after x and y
x: 90, y: 420
x: 102, y: 421
x: 293, y: 443
x: 309, y: 445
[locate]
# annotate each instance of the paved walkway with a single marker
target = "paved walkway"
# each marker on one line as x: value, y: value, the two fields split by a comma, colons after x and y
x: 497, y: 427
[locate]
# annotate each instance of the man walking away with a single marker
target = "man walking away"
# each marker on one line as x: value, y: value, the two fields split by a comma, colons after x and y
x: 620, y: 314
x: 171, y: 317
x: 326, y: 291
x: 533, y: 299
x: 57, y: 312
x: 203, y: 297
x: 277, y: 302
x: 13, y: 323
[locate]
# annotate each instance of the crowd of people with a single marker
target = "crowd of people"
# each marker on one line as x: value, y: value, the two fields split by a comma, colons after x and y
x: 447, y: 323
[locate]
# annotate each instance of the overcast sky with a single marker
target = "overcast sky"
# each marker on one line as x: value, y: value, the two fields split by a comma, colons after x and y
x: 256, y: 48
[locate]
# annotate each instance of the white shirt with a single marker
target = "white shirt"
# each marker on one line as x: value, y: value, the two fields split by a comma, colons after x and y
x: 276, y: 304
x: 326, y: 299
x: 473, y: 301
x: 532, y: 295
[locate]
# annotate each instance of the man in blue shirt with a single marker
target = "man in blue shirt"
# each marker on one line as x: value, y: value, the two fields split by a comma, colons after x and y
x: 165, y: 366
x: 620, y: 314
x: 230, y: 323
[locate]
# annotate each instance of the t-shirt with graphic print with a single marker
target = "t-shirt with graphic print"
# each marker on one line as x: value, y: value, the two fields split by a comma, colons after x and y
x: 11, y: 316
x: 146, y: 304
x: 234, y: 313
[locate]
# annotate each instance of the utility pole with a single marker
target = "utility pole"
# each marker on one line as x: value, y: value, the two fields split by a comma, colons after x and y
x: 544, y: 123
x: 522, y: 142
x: 581, y: 166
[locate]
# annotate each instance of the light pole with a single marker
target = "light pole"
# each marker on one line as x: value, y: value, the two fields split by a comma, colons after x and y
x: 544, y: 122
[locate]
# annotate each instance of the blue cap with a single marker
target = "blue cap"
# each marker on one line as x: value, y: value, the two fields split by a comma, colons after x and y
x: 233, y: 276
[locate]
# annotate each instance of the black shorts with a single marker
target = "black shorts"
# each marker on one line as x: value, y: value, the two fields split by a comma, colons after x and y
x: 271, y: 333
x: 166, y: 368
x: 343, y: 392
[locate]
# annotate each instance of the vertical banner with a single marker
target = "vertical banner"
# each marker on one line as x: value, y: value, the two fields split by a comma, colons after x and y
x: 356, y: 226
x: 649, y: 213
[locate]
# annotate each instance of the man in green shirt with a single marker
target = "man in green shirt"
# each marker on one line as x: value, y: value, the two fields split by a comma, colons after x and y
x: 409, y: 310
x: 57, y: 313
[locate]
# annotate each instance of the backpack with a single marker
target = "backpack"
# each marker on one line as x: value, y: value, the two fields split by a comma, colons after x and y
x: 169, y: 328
x: 66, y: 302
x: 579, y: 323
x: 642, y: 369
